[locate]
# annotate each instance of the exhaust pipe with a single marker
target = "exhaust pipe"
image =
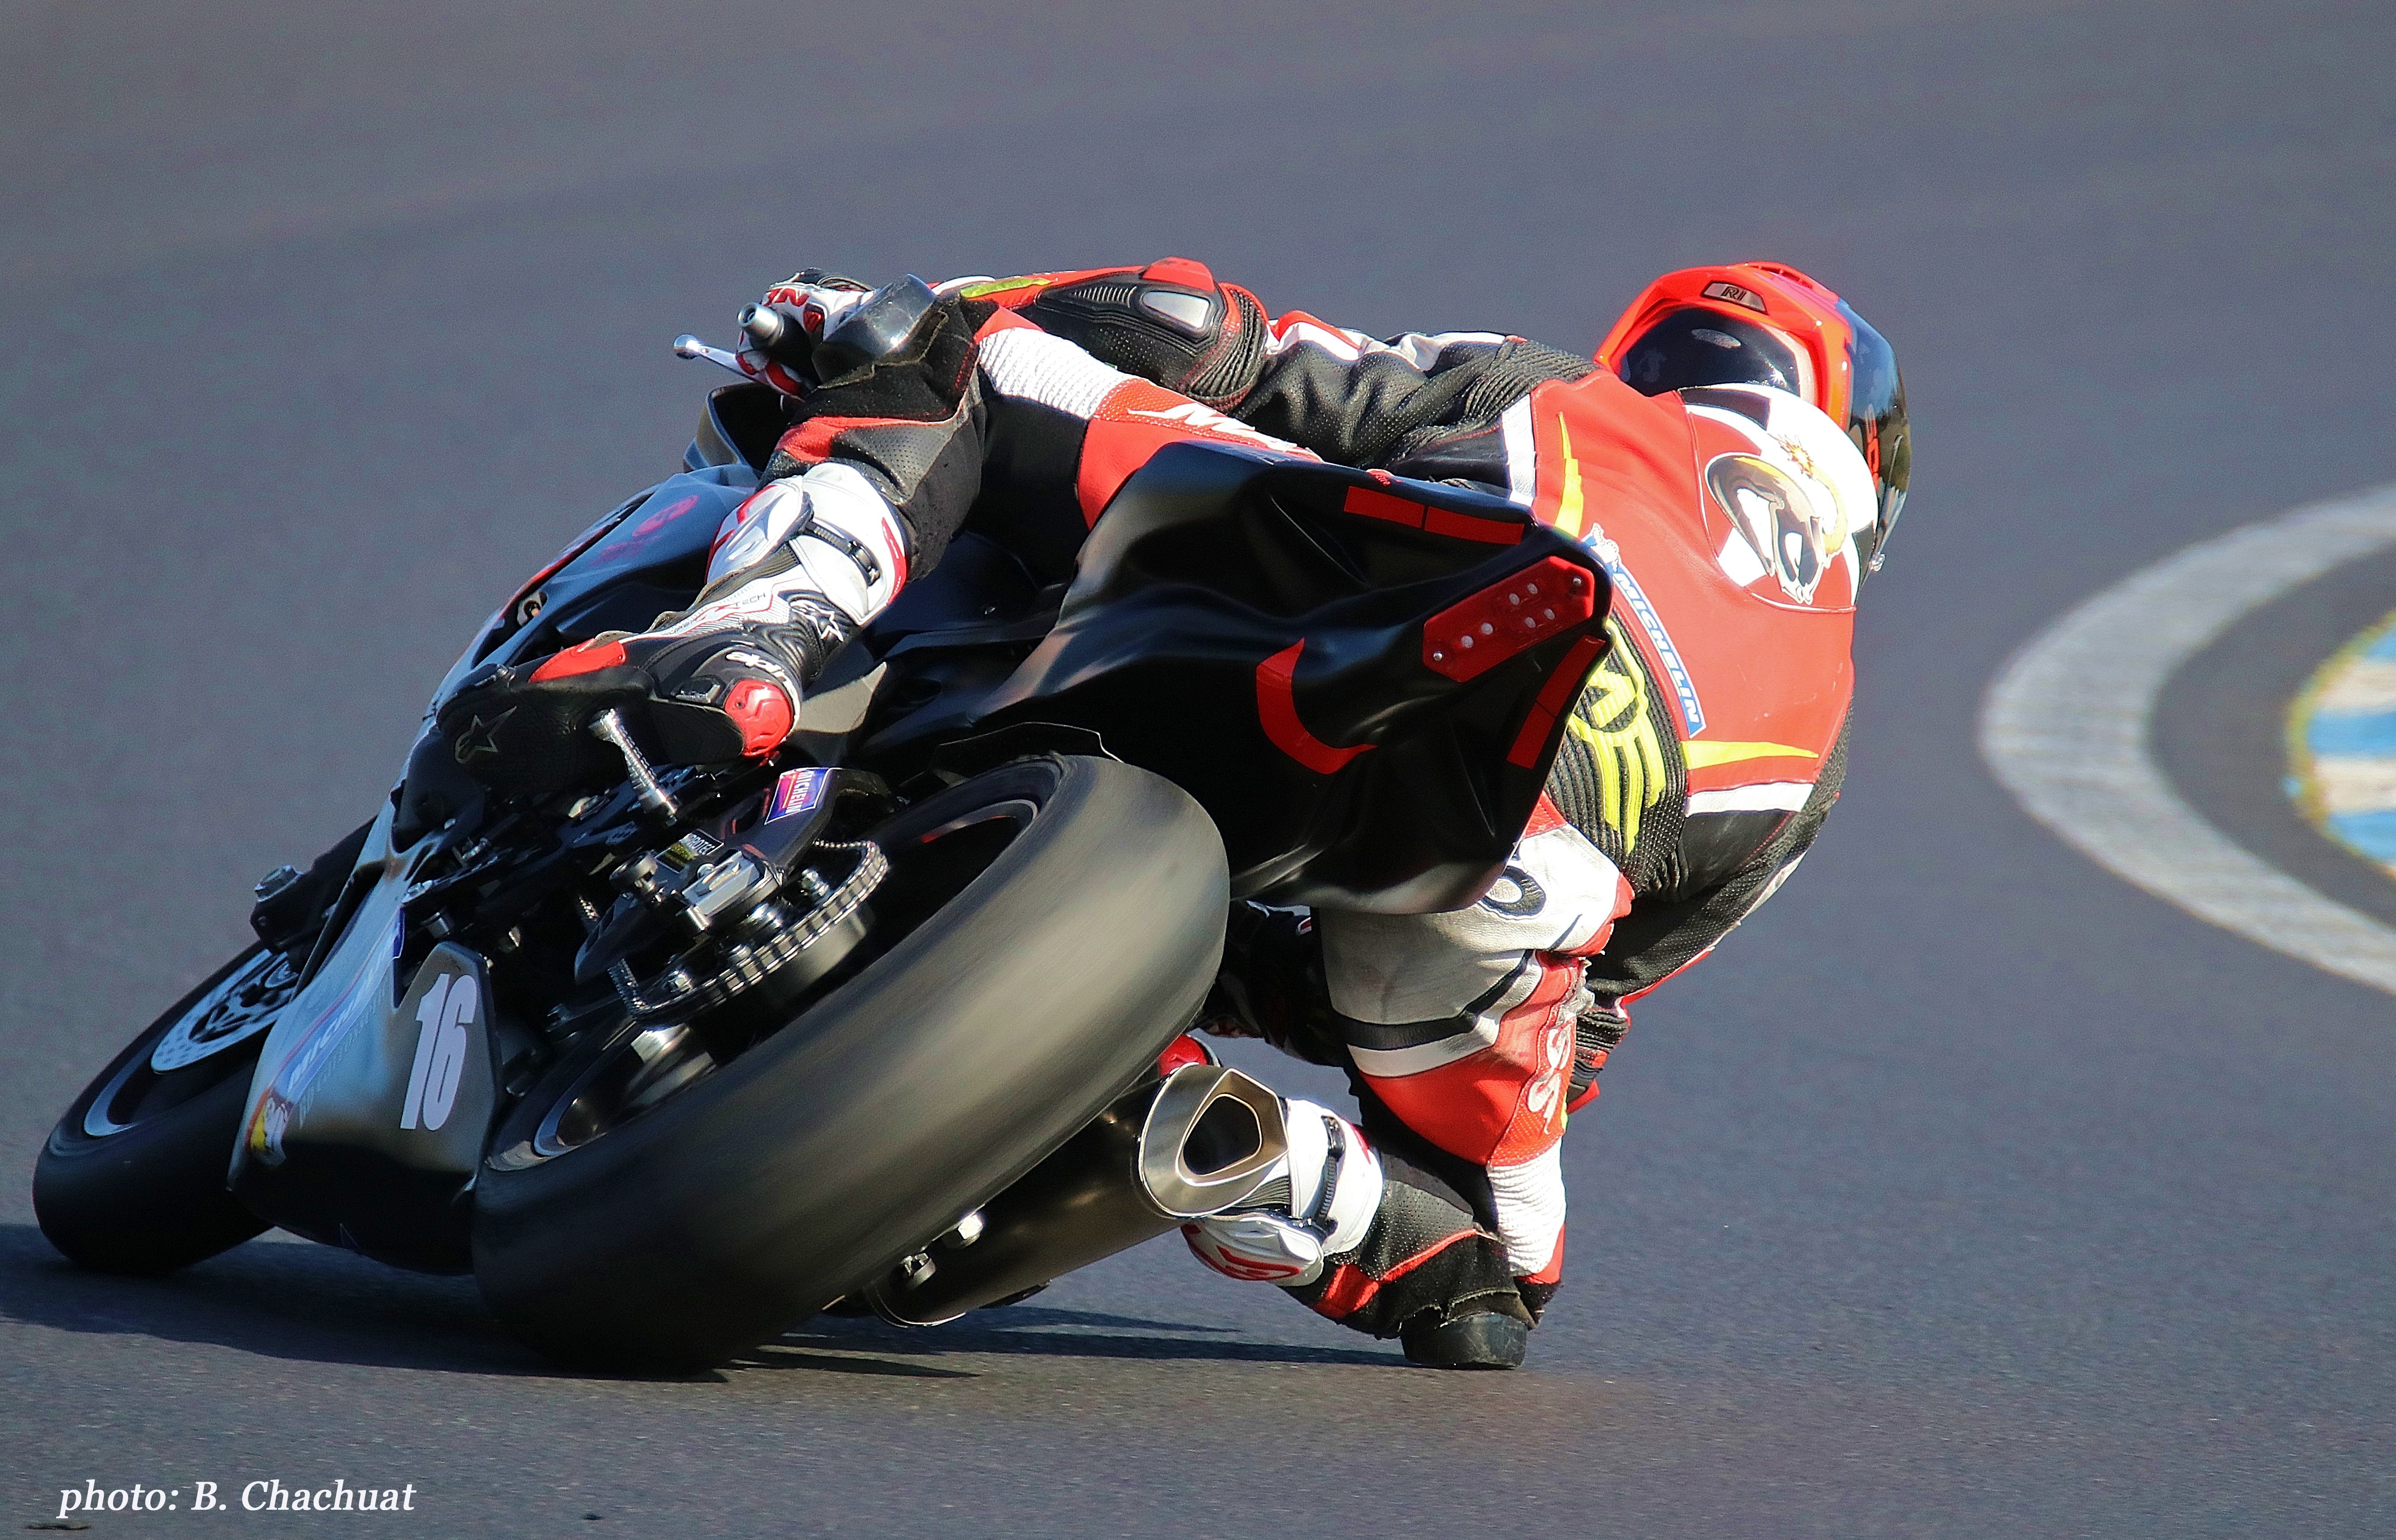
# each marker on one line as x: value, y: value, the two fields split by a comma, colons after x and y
x: 1202, y: 1140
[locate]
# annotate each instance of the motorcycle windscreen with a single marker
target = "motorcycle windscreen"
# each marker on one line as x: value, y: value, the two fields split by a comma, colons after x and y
x: 648, y: 555
x: 647, y: 559
x: 1362, y: 679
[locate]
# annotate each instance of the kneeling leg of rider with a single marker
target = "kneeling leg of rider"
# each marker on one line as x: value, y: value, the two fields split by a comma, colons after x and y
x: 1460, y: 1035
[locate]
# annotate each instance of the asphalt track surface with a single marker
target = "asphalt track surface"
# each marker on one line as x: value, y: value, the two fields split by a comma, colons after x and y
x: 1967, y: 1191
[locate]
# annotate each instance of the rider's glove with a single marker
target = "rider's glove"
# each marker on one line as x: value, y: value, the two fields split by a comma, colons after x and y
x: 885, y: 389
x: 844, y: 351
x: 705, y: 699
x: 793, y: 314
x: 1597, y: 1029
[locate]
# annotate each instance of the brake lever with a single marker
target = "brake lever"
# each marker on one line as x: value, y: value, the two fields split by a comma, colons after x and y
x: 687, y: 346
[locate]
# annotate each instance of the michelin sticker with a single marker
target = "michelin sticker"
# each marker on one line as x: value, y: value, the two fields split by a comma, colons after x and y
x: 797, y: 792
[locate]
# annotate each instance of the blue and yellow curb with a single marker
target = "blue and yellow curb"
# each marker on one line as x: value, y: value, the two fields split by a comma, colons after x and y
x: 2341, y: 738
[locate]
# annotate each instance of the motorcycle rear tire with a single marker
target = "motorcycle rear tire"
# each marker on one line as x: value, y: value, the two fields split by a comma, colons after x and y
x: 891, y: 1108
x: 150, y: 1197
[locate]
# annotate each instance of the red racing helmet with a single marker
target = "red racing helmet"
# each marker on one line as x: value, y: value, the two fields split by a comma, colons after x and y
x: 1768, y: 324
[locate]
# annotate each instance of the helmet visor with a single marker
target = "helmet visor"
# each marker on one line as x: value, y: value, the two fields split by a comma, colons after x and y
x: 1876, y: 422
x: 1695, y: 346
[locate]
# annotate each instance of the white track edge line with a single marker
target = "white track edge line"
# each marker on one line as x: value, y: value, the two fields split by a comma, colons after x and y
x: 2065, y: 727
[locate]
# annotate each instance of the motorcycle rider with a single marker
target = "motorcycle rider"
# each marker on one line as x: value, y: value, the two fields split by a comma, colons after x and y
x: 1704, y: 750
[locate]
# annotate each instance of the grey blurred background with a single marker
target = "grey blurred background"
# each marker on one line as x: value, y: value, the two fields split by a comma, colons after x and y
x: 1965, y: 1192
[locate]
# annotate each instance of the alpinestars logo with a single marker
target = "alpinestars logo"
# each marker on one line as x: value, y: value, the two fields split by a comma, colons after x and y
x: 480, y: 738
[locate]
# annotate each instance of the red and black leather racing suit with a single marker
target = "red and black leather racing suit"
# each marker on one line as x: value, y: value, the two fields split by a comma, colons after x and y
x: 1704, y: 751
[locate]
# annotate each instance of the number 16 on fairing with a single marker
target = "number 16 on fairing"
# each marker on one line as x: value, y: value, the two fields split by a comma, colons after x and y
x: 445, y: 1012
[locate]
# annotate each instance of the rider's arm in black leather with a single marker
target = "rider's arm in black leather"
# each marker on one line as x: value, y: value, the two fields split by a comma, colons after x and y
x: 1430, y: 406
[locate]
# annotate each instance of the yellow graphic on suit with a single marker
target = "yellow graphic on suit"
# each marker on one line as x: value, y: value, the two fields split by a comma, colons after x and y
x: 1569, y: 504
x: 1614, y: 721
x: 1001, y: 285
x: 1612, y: 717
x: 1699, y: 755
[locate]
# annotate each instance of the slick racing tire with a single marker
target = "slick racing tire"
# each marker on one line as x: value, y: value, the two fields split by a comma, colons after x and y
x: 133, y: 1177
x: 1046, y: 930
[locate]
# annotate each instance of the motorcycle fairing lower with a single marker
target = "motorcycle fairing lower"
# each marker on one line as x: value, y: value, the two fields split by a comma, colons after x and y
x: 375, y: 1088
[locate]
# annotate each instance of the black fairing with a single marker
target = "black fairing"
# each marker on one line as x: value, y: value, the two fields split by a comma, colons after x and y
x: 741, y: 427
x: 1208, y: 564
x: 645, y: 559
x: 417, y: 1220
x: 652, y: 560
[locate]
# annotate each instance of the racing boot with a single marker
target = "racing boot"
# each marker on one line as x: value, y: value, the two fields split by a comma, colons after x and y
x: 876, y: 471
x: 713, y: 696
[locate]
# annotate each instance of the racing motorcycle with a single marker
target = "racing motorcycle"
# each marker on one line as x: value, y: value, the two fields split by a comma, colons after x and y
x: 894, y: 1019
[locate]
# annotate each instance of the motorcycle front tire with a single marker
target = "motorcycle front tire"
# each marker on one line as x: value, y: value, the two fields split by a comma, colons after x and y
x: 132, y: 1179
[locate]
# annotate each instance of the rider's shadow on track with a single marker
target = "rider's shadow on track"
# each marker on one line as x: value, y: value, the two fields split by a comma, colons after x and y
x: 314, y: 1304
x: 301, y: 1302
x: 1024, y: 1331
